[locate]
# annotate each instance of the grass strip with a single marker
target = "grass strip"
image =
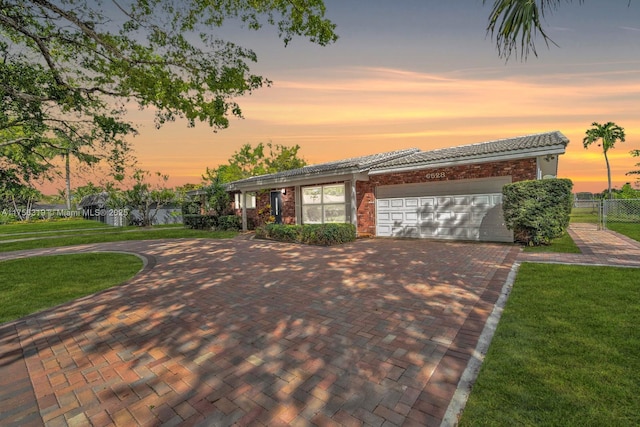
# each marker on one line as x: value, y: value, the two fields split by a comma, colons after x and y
x: 49, y: 225
x: 566, y: 351
x: 588, y: 215
x: 629, y: 229
x: 563, y: 244
x: 112, y: 236
x: 28, y: 285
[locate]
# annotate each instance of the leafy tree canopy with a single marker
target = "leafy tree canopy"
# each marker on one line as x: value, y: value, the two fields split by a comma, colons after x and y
x: 635, y: 153
x: 70, y: 68
x: 253, y: 161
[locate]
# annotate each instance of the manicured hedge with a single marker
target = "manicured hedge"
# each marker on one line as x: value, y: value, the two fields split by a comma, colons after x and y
x: 199, y: 222
x: 212, y: 222
x: 229, y: 223
x: 537, y: 211
x: 312, y: 234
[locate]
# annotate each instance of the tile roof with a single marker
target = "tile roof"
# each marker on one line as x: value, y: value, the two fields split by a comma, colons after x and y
x: 354, y: 164
x: 407, y: 158
x: 482, y: 149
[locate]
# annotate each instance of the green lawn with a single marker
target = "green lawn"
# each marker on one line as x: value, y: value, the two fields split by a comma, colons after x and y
x: 22, y: 227
x: 566, y: 351
x: 588, y: 215
x: 28, y: 285
x: 74, y: 232
x: 562, y: 244
x: 631, y: 230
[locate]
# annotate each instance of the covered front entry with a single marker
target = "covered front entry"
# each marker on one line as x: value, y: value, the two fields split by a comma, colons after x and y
x: 460, y: 210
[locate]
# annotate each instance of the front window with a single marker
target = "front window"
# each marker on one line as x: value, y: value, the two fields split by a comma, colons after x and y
x: 323, y: 204
x: 250, y: 198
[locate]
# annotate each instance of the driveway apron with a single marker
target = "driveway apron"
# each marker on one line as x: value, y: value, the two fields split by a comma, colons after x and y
x: 249, y: 332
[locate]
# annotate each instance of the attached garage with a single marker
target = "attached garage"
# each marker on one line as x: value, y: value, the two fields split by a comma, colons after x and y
x: 448, y: 193
x: 461, y: 210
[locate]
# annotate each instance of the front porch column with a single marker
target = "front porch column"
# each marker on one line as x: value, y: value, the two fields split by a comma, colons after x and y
x: 243, y: 198
x: 354, y: 204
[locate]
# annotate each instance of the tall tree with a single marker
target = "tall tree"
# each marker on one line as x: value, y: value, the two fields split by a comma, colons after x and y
x: 608, y: 134
x: 69, y: 68
x: 635, y: 153
x: 252, y: 161
x: 147, y: 198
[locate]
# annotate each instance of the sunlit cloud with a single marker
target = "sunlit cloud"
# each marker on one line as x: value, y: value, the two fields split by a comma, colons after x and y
x: 630, y: 29
x: 369, y: 95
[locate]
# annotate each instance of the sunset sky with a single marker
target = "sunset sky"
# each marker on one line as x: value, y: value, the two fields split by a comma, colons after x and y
x: 423, y: 73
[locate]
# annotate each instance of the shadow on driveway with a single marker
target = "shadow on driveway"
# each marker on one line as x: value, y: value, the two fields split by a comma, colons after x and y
x: 219, y: 332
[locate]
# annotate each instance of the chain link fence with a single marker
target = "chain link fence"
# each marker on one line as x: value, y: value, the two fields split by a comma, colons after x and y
x: 620, y: 210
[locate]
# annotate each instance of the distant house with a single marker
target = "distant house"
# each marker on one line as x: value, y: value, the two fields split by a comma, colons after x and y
x: 167, y: 214
x: 449, y: 193
x: 96, y: 207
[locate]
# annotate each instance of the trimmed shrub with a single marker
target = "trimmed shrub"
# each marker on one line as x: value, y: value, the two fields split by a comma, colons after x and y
x: 283, y: 233
x: 261, y: 232
x: 537, y: 211
x: 199, y: 222
x: 229, y: 223
x: 190, y: 207
x: 328, y: 234
x: 312, y: 234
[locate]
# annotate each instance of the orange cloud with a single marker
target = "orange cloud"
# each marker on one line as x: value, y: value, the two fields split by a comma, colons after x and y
x: 355, y: 111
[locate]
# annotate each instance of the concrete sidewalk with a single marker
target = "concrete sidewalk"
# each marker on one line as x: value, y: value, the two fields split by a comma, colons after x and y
x: 599, y: 247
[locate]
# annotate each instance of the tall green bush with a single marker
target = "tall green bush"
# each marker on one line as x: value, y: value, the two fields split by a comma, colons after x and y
x: 537, y: 211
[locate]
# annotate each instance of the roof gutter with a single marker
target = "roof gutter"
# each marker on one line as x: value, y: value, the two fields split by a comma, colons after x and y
x: 493, y: 157
x: 306, y: 179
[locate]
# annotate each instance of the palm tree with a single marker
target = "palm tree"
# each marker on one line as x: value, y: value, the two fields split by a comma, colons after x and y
x: 609, y: 133
x: 517, y: 22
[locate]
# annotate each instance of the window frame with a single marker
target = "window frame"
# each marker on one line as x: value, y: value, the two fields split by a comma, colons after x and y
x: 250, y: 197
x: 309, y: 203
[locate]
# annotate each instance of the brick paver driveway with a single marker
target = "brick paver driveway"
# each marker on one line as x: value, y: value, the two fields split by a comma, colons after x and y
x: 217, y: 332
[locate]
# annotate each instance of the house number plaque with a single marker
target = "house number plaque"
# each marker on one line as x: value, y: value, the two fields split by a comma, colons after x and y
x: 435, y: 175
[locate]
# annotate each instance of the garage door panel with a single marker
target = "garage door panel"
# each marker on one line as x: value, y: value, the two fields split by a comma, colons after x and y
x: 411, y: 203
x: 428, y: 230
x: 460, y: 216
x: 427, y: 216
x: 428, y: 202
x: 397, y: 216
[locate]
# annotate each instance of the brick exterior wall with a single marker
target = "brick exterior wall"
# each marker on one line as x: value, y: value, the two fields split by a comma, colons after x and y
x: 520, y: 170
x: 289, y: 206
x: 262, y: 212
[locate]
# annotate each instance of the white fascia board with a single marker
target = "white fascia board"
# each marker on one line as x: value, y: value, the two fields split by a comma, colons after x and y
x: 495, y: 157
x: 301, y: 180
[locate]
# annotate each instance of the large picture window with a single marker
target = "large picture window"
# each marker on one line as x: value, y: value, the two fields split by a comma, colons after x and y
x: 323, y: 204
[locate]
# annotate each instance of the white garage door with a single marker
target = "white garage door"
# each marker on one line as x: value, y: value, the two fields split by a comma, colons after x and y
x: 442, y: 216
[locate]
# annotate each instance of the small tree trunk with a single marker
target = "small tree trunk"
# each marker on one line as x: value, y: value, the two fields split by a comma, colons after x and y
x: 67, y: 171
x: 606, y: 159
